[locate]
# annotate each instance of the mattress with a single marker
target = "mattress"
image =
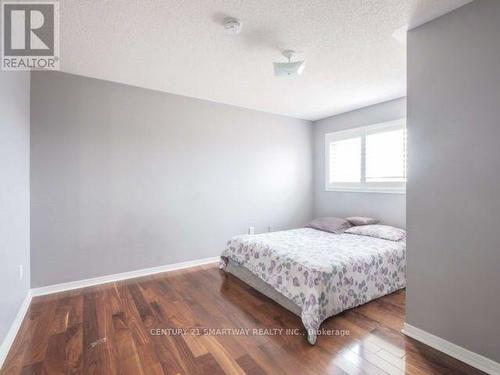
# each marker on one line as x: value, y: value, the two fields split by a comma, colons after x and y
x: 321, y: 273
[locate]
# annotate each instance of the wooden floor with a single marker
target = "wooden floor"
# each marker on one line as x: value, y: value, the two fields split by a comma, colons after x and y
x: 108, y: 330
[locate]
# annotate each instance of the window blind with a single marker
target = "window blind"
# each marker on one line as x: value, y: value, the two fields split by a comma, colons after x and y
x: 386, y: 156
x: 371, y: 158
x: 345, y: 160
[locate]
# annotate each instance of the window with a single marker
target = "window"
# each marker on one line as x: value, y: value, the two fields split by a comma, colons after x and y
x: 371, y: 158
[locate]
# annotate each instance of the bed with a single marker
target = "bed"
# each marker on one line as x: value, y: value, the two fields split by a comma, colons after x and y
x: 316, y: 274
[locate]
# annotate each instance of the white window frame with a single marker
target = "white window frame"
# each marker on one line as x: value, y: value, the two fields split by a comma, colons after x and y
x: 363, y: 186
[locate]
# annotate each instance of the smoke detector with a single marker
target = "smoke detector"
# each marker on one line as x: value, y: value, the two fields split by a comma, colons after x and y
x: 290, y: 68
x: 232, y: 25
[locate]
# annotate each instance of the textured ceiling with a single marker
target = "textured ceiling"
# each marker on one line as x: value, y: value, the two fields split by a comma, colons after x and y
x: 353, y: 52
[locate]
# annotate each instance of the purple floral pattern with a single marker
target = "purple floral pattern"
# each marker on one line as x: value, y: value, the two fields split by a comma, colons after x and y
x: 323, y: 273
x: 384, y: 232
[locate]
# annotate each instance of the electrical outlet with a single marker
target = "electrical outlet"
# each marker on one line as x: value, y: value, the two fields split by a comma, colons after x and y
x: 21, y: 273
x: 251, y: 230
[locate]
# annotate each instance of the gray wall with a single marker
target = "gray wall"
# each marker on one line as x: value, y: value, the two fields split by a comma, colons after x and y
x: 453, y: 188
x: 14, y: 194
x: 125, y: 178
x: 389, y: 208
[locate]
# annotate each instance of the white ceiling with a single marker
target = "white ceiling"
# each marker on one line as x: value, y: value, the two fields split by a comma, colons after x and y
x: 354, y: 57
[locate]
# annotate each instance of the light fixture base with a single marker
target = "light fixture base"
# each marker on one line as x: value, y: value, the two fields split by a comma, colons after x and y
x: 232, y: 25
x: 289, y: 54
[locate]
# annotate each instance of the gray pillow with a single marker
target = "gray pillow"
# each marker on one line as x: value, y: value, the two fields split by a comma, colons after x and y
x: 330, y: 224
x: 384, y: 232
x: 361, y: 220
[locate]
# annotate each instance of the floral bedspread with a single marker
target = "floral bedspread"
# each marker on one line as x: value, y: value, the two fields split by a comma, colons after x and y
x: 322, y: 273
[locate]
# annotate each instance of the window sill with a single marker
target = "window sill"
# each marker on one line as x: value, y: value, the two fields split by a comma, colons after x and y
x: 366, y: 190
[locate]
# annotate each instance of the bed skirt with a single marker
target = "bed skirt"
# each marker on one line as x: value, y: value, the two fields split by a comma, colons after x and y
x: 250, y: 279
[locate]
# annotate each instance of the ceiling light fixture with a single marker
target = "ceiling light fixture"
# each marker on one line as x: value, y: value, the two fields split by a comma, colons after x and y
x: 290, y: 68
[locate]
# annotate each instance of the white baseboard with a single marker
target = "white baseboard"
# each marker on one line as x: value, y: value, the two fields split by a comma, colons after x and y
x: 455, y: 351
x: 14, y: 328
x: 56, y: 288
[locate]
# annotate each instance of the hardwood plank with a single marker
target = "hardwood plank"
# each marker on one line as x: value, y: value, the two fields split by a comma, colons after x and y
x: 33, y: 369
x: 38, y: 348
x: 222, y: 355
x: 54, y: 361
x: 250, y: 367
x: 91, y: 358
x: 370, y: 355
x: 209, y: 365
x: 362, y: 363
x: 139, y: 337
x: 269, y: 365
x: 347, y: 366
x: 113, y: 329
x: 402, y: 364
x: 61, y: 317
x: 74, y: 349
